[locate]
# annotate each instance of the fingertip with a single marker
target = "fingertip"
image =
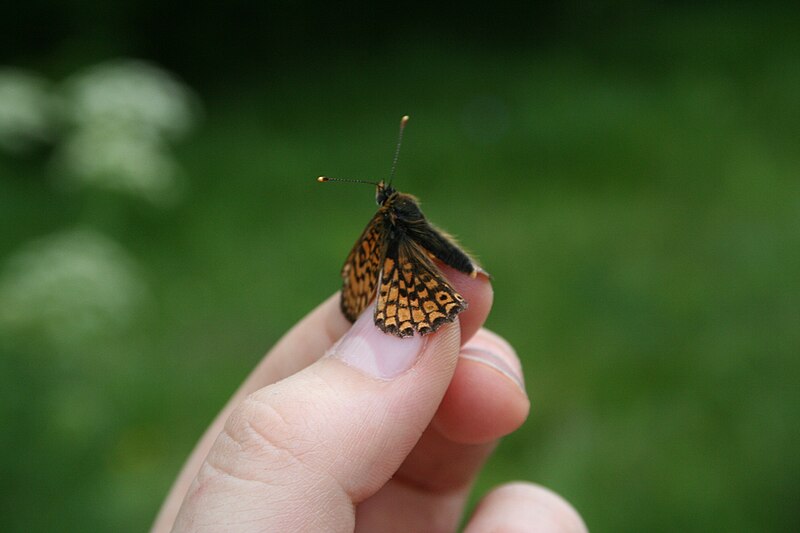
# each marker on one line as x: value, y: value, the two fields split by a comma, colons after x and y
x: 479, y: 295
x: 486, y: 399
x: 494, y: 351
x: 480, y: 406
x: 524, y: 506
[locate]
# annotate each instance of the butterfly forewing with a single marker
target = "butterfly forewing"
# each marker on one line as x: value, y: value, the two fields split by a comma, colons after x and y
x: 436, y: 242
x: 441, y: 246
x: 362, y: 268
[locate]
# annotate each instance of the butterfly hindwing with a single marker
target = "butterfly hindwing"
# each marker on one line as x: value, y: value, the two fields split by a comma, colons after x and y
x: 413, y: 295
x: 362, y: 268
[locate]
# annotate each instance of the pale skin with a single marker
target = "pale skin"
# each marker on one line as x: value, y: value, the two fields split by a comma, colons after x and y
x: 330, y: 437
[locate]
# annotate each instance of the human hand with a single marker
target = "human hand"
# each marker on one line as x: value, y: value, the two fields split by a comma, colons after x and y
x: 380, y: 434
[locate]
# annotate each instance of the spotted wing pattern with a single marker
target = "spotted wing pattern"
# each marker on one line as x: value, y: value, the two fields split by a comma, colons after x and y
x: 362, y: 268
x: 413, y: 295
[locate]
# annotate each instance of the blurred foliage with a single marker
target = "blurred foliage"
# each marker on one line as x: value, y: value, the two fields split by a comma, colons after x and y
x: 630, y: 176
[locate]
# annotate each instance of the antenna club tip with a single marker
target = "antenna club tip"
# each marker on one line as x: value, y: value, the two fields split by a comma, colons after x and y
x: 404, y: 120
x: 322, y: 179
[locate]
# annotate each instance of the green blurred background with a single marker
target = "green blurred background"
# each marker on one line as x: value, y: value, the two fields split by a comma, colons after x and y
x: 628, y: 171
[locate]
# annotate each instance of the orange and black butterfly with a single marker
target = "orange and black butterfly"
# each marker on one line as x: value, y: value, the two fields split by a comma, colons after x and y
x: 393, y: 261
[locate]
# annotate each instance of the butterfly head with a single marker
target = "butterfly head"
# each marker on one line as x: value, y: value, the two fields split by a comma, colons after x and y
x: 383, y: 192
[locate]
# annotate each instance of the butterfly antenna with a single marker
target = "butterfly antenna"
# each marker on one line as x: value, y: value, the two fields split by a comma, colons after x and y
x: 323, y: 179
x: 403, y: 122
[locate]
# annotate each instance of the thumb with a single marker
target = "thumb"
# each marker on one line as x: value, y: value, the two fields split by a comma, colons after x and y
x: 299, y: 454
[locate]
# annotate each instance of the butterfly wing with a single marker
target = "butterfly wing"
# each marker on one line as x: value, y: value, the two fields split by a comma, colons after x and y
x: 443, y: 247
x: 436, y: 242
x: 413, y: 294
x: 362, y: 268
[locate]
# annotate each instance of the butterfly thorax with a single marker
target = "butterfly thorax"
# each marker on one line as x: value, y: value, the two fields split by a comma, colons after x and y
x: 401, y: 212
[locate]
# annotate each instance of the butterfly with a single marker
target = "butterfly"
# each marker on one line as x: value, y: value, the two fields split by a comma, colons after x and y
x: 393, y: 261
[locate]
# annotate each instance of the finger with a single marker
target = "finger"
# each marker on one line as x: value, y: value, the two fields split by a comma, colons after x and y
x: 300, y: 347
x: 312, y: 336
x: 479, y: 401
x: 525, y: 507
x: 485, y: 401
x: 317, y: 332
x: 309, y: 447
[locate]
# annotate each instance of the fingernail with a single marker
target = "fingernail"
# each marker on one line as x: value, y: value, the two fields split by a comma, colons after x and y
x: 374, y: 352
x: 495, y: 361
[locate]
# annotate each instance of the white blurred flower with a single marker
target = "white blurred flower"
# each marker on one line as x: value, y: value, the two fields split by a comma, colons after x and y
x: 70, y: 286
x: 123, y: 113
x: 25, y: 110
x: 131, y: 94
x: 108, y: 157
